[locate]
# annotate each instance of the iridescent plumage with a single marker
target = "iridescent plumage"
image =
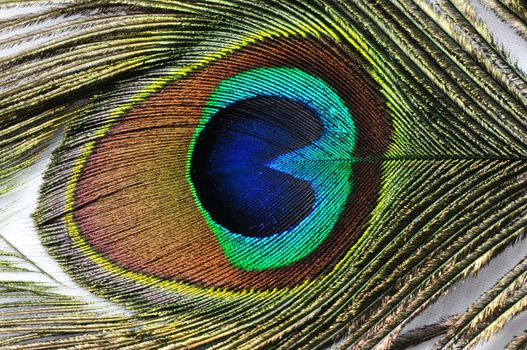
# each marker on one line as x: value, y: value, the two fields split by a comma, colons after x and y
x: 266, y: 174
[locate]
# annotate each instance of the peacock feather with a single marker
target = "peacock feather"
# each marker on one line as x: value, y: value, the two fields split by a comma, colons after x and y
x: 261, y: 174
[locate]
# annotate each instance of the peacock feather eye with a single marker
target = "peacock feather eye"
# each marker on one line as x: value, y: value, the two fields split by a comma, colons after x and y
x: 245, y: 173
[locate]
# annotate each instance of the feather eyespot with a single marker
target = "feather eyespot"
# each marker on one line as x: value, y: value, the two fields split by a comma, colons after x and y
x: 251, y: 172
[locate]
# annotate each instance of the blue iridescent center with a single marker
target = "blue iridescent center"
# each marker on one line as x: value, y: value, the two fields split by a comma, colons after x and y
x: 230, y: 172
